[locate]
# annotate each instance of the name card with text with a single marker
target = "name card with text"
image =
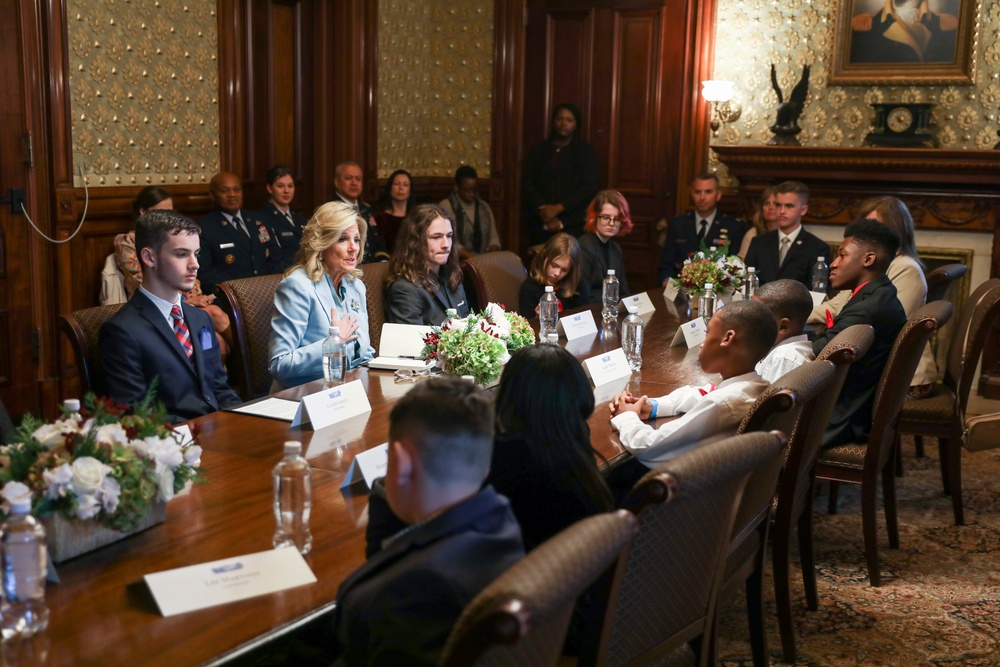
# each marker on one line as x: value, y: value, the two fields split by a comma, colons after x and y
x: 228, y: 580
x: 608, y: 366
x: 670, y: 292
x: 690, y: 333
x: 640, y: 301
x: 332, y: 405
x: 605, y: 392
x: 368, y: 465
x: 578, y: 325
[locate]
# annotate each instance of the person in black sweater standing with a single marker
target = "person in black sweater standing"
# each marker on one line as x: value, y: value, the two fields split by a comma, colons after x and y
x: 561, y: 176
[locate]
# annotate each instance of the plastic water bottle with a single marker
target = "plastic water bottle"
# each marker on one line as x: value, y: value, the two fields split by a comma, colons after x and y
x: 820, y: 274
x: 706, y: 303
x: 632, y: 338
x: 292, y: 500
x: 24, y: 561
x: 548, y: 313
x: 334, y: 358
x: 609, y: 297
x: 751, y: 283
x: 72, y: 406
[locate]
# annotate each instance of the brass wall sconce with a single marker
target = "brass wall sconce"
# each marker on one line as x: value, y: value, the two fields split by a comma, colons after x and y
x: 725, y: 109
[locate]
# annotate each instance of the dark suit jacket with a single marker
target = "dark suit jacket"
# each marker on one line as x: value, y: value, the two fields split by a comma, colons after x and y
x: 878, y: 46
x: 407, y: 303
x: 875, y: 304
x: 227, y: 253
x: 398, y: 608
x: 763, y: 254
x: 289, y: 235
x: 570, y: 177
x: 138, y: 344
x: 682, y: 240
x: 595, y: 268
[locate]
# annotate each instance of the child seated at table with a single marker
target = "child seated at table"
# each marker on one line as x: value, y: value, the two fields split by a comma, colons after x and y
x: 791, y: 304
x: 398, y: 607
x: 739, y: 335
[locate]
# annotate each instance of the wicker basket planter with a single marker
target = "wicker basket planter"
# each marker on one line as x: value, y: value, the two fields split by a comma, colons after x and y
x: 67, y: 539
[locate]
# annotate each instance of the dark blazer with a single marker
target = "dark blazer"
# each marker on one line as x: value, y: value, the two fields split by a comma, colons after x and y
x: 398, y: 608
x: 595, y: 267
x: 407, y: 303
x: 288, y: 234
x: 138, y: 344
x: 227, y: 253
x: 570, y: 177
x: 763, y: 254
x: 682, y: 240
x: 875, y: 304
x: 531, y: 292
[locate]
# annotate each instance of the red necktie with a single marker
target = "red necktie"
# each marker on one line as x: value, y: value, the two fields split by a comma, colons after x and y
x: 181, y: 330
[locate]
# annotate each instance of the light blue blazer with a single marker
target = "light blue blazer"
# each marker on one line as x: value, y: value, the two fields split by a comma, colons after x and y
x: 301, y: 323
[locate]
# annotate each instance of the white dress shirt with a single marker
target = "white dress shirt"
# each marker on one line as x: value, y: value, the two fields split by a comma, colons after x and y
x: 709, y: 415
x: 786, y: 356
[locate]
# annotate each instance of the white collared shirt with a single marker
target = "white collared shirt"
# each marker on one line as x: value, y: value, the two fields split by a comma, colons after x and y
x: 791, y: 237
x: 786, y: 356
x: 163, y: 305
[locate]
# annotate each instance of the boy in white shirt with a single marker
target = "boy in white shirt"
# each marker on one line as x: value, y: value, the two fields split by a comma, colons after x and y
x: 738, y: 337
x: 791, y: 304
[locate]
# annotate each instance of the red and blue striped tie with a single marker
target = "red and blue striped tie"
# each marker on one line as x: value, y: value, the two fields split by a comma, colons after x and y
x: 181, y: 330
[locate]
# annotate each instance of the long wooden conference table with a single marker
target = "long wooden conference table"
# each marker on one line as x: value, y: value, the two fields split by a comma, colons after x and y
x: 102, y: 613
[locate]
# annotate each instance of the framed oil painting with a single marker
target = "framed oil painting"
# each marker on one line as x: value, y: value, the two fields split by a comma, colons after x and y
x: 896, y: 42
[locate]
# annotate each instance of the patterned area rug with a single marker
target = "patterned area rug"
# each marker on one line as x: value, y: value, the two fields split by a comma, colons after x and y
x: 940, y: 599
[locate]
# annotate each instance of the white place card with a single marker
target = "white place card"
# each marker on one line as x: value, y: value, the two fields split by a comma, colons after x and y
x: 607, y: 367
x: 183, y: 434
x: 228, y: 580
x: 670, y: 292
x: 690, y: 333
x: 272, y: 408
x: 332, y: 405
x: 605, y: 392
x: 368, y: 465
x: 818, y: 297
x: 578, y: 325
x: 641, y: 301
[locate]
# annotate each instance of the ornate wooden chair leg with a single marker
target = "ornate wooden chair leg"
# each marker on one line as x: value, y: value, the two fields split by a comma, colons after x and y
x: 782, y: 593
x: 899, y: 455
x: 755, y: 615
x: 954, y: 454
x: 806, y: 558
x: 945, y: 460
x: 889, y: 500
x: 831, y: 505
x: 869, y: 500
x: 918, y: 446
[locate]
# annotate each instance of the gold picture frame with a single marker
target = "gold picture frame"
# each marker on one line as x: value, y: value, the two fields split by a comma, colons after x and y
x: 876, y: 46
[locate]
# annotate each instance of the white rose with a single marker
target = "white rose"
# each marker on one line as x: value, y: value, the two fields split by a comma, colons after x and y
x: 192, y: 456
x: 111, y: 434
x: 88, y: 474
x: 167, y: 452
x: 165, y: 482
x: 110, y: 492
x: 57, y: 479
x: 51, y: 435
x: 87, y: 507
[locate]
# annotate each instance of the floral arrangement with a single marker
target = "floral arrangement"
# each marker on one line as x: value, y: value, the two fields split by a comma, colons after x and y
x: 99, y: 464
x: 478, y: 345
x: 711, y: 265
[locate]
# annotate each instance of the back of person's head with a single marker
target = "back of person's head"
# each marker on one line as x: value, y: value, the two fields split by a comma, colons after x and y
x: 448, y: 422
x: 789, y: 300
x: 409, y: 256
x: 617, y: 200
x: 873, y: 236
x: 558, y: 245
x: 325, y: 228
x: 153, y: 227
x: 892, y: 212
x: 796, y: 187
x: 545, y: 398
x: 754, y: 325
x: 279, y: 171
x: 385, y: 201
x: 464, y: 172
x: 148, y: 197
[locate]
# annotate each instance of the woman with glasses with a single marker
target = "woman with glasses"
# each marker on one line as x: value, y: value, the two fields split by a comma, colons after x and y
x: 607, y: 217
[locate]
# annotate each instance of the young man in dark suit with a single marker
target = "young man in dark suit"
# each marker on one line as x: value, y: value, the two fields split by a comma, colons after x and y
x: 234, y: 243
x: 157, y: 335
x: 788, y: 251
x: 860, y: 266
x: 706, y: 224
x: 398, y: 608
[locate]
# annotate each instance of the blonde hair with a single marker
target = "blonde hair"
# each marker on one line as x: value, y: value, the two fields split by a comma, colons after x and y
x: 560, y: 245
x: 323, y: 230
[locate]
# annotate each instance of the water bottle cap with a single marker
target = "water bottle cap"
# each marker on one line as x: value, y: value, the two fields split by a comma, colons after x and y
x: 470, y: 378
x: 552, y: 338
x: 821, y: 259
x: 708, y: 285
x: 72, y: 404
x: 752, y: 269
x: 293, y: 447
x: 21, y: 505
x: 611, y: 272
x: 549, y: 288
x: 334, y: 330
x: 632, y: 310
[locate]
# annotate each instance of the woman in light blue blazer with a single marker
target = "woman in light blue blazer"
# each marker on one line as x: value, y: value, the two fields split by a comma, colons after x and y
x: 320, y: 290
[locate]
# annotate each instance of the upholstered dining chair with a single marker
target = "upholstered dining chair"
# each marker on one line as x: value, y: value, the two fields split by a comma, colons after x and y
x: 495, y: 277
x: 249, y: 303
x: 942, y: 414
x: 82, y: 328
x: 665, y: 589
x: 522, y: 618
x: 798, y: 391
x: 941, y: 278
x: 373, y: 276
x: 863, y: 463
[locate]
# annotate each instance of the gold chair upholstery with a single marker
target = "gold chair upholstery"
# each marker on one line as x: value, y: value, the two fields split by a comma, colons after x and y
x: 82, y: 328
x: 522, y: 618
x: 249, y: 303
x: 495, y: 277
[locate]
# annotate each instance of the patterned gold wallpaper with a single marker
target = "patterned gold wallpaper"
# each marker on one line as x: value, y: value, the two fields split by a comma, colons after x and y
x: 144, y: 80
x: 752, y: 34
x: 435, y: 83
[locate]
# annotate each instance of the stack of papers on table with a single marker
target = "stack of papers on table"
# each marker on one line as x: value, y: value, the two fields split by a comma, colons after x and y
x: 400, y: 346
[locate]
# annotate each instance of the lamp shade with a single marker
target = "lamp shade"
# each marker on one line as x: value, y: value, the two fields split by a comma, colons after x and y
x: 717, y: 91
